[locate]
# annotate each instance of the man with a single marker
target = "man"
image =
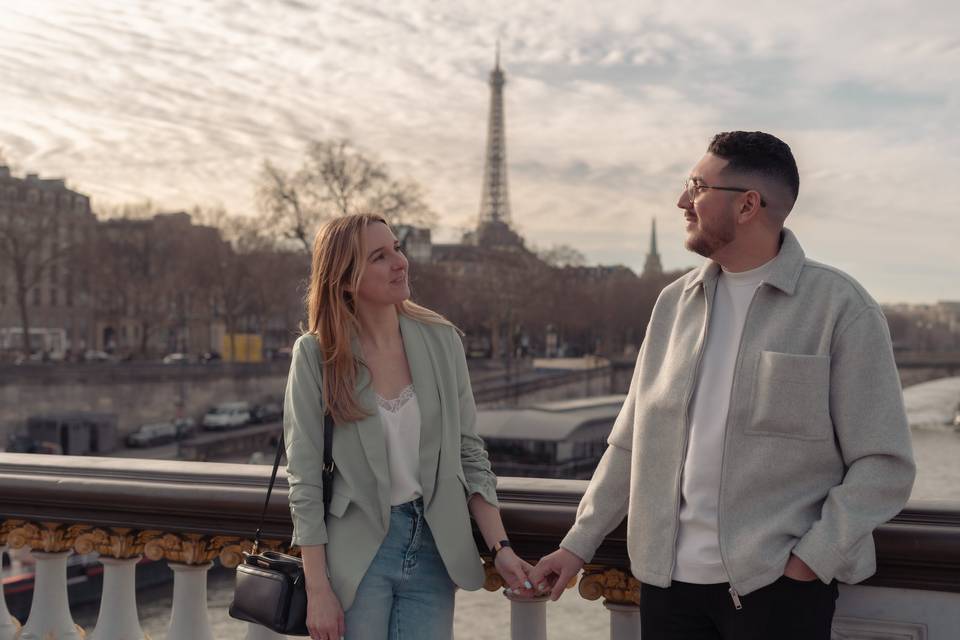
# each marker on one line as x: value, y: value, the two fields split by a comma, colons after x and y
x: 764, y: 436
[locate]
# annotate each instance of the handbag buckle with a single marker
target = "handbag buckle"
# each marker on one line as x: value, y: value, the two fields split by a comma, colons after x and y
x: 328, y: 469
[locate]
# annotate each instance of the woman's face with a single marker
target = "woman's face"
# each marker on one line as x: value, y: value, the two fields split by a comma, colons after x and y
x: 384, y: 280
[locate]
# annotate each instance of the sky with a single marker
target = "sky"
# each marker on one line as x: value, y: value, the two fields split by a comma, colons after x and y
x: 608, y: 106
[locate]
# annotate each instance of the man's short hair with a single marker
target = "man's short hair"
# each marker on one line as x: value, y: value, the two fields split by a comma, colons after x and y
x: 758, y: 152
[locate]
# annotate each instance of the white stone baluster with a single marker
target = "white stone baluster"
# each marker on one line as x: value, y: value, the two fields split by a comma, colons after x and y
x: 49, y: 610
x: 528, y: 617
x: 9, y: 626
x: 624, y: 621
x: 189, y: 617
x: 118, y: 618
x: 256, y: 632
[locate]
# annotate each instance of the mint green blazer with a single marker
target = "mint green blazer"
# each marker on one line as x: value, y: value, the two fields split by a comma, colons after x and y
x: 453, y: 461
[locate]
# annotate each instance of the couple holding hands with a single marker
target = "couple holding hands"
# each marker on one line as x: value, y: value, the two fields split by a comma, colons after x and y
x: 762, y: 441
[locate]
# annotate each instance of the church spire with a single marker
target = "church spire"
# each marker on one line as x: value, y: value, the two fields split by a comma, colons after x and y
x: 653, y: 267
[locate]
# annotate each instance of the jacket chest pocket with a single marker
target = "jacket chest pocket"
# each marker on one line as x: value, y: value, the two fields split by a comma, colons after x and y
x: 791, y: 397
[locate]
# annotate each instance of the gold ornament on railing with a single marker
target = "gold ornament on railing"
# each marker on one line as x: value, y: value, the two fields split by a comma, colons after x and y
x: 7, y: 526
x: 197, y: 548
x: 233, y: 548
x: 183, y: 548
x: 492, y: 581
x: 48, y: 537
x: 118, y: 543
x: 614, y: 585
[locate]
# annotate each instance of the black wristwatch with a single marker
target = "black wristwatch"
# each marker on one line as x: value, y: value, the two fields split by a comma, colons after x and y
x: 497, y: 546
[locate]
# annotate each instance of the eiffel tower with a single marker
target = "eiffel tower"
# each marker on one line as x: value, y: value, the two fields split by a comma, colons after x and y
x: 493, y: 226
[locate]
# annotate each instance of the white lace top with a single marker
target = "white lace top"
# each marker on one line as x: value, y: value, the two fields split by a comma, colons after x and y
x: 401, y: 429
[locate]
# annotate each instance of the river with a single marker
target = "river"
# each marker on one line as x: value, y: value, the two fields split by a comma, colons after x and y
x: 486, y: 616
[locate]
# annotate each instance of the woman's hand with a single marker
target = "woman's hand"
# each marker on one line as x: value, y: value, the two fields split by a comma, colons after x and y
x: 514, y: 570
x: 324, y: 614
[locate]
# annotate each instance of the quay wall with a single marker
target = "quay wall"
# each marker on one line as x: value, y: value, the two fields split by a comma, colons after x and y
x: 138, y: 394
x: 141, y: 393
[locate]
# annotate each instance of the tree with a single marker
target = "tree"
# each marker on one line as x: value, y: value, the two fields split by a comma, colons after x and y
x: 562, y: 255
x: 133, y: 270
x: 335, y: 179
x: 253, y: 280
x: 32, y: 241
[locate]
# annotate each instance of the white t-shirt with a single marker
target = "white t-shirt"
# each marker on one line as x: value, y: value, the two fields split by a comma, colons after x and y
x: 401, y: 429
x: 698, y: 548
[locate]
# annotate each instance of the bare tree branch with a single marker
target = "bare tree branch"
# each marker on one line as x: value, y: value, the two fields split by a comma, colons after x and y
x: 335, y: 179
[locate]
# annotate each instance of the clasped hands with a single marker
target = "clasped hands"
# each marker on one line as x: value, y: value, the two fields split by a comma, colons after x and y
x: 554, y: 571
x: 551, y: 574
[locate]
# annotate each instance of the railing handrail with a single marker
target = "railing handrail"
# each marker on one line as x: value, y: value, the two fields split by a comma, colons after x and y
x: 919, y: 548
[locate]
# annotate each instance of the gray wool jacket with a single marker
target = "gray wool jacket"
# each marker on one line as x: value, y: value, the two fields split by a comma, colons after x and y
x: 816, y: 451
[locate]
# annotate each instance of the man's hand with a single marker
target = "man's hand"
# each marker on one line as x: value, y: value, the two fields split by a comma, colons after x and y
x: 797, y: 569
x: 556, y: 570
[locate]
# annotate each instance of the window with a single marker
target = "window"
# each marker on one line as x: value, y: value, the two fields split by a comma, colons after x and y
x: 54, y: 297
x: 36, y: 296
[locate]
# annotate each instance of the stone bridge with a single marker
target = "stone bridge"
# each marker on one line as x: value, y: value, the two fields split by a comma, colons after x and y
x: 921, y: 366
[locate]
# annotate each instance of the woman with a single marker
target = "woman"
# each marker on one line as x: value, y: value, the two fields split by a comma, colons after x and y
x: 409, y: 467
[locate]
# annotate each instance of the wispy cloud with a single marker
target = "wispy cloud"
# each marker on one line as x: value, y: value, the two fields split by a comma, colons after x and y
x: 608, y: 104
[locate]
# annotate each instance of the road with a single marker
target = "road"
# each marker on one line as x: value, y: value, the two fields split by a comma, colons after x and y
x: 170, y: 451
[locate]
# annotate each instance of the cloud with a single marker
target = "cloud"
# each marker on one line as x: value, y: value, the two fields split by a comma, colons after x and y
x: 607, y: 106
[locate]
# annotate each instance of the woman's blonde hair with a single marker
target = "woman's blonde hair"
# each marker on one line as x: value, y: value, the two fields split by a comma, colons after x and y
x: 337, y: 267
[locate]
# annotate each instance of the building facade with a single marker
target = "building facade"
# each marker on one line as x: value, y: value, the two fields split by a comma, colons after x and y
x: 43, y: 285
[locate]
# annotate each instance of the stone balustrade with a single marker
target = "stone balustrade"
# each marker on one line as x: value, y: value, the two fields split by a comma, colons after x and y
x: 191, y: 514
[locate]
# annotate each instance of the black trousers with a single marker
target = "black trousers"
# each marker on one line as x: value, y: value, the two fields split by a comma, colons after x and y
x: 785, y: 610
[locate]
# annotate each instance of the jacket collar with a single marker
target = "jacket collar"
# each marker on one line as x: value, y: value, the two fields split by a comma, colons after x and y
x: 784, y: 272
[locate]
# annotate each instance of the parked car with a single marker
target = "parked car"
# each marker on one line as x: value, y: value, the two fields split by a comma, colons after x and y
x: 210, y: 356
x: 150, y: 435
x: 267, y: 412
x: 93, y: 355
x: 228, y: 415
x: 176, y: 358
x: 186, y: 427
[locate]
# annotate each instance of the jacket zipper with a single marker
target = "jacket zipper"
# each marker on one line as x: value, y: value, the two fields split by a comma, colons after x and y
x: 723, y: 451
x: 691, y: 384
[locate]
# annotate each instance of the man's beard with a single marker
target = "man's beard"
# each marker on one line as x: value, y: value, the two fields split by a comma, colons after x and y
x: 708, y: 239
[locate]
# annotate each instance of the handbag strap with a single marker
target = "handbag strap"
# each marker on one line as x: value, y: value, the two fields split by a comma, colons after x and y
x: 327, y: 475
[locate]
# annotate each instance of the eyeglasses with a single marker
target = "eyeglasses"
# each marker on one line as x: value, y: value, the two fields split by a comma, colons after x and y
x: 692, y: 187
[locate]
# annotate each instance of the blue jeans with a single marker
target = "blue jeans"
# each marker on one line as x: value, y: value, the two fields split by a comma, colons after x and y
x: 406, y: 593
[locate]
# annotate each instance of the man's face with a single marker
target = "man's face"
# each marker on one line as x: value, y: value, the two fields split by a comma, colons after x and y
x: 711, y: 215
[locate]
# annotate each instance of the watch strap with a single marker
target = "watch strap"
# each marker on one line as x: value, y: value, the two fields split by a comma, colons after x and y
x: 497, y: 546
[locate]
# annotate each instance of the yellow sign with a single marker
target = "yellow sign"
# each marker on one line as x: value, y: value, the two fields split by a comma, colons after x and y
x: 249, y: 347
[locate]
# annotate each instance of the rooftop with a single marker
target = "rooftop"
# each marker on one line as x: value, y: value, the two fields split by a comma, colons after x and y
x: 549, y: 421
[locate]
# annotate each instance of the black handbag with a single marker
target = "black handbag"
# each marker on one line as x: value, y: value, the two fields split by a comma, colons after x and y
x: 271, y: 589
